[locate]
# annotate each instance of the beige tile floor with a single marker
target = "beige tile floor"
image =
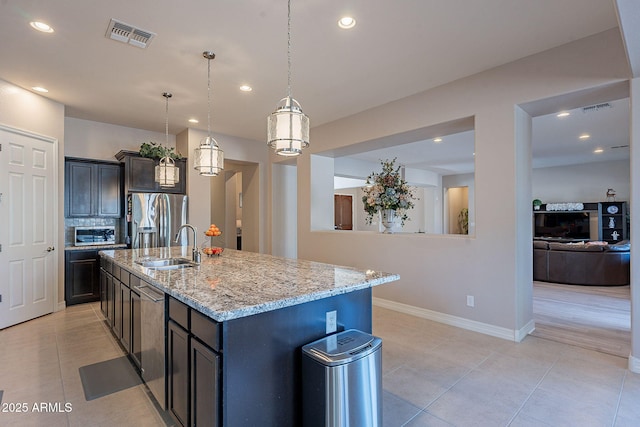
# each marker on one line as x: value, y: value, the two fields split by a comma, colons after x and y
x: 433, y: 375
x: 438, y: 375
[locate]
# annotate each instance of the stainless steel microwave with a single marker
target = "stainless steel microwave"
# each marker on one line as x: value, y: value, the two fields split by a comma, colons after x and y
x: 104, y: 235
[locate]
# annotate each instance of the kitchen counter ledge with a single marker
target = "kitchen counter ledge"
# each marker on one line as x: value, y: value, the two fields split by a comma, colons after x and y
x: 239, y: 283
x: 96, y: 247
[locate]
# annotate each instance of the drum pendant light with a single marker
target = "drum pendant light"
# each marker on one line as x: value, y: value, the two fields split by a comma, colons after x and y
x: 209, y: 158
x: 166, y: 172
x: 288, y: 126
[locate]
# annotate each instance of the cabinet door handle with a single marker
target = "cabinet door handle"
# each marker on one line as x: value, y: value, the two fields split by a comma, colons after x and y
x: 51, y: 249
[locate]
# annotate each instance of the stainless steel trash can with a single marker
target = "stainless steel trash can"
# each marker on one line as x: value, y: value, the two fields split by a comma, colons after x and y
x: 342, y: 381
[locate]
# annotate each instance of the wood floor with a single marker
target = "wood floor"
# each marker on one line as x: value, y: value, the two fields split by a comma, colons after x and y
x: 593, y: 317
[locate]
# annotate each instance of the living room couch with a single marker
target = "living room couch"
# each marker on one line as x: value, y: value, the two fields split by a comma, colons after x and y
x: 590, y: 263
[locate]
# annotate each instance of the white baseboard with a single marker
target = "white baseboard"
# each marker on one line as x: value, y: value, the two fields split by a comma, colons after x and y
x: 460, y: 322
x: 634, y: 364
x: 61, y: 306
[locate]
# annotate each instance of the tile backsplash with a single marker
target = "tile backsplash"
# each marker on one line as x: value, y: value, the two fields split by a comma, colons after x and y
x: 71, y: 223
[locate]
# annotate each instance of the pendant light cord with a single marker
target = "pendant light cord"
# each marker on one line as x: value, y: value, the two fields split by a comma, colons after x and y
x: 289, y: 49
x: 166, y: 95
x: 209, y: 97
x: 166, y: 123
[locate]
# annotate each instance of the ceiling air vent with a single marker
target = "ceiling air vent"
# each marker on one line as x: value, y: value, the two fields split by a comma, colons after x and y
x: 596, y: 107
x: 125, y: 33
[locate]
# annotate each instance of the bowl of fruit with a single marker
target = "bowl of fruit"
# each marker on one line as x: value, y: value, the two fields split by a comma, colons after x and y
x: 212, y: 251
x: 209, y: 247
x: 213, y: 231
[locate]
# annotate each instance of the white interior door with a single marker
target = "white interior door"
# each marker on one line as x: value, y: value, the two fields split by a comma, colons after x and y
x: 28, y: 267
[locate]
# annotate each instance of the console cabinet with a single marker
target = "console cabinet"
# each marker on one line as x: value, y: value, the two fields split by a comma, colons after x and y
x: 82, y: 277
x: 612, y: 221
x: 93, y: 189
x: 139, y: 174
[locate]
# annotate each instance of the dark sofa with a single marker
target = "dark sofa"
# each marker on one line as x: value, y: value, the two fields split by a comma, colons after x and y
x: 581, y: 264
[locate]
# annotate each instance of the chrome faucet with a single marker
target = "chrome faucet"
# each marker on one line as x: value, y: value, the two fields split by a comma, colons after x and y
x: 195, y: 254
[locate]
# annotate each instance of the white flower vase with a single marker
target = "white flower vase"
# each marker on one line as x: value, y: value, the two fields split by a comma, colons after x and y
x: 388, y: 219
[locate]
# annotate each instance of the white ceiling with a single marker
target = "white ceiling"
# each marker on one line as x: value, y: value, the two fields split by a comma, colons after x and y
x: 396, y: 49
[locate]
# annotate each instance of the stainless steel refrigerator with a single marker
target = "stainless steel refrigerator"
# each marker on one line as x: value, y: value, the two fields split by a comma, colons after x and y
x: 154, y: 218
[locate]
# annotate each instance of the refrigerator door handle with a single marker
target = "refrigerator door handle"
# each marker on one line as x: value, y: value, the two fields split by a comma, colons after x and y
x: 134, y: 231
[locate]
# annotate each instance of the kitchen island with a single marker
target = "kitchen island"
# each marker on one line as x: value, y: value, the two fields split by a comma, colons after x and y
x: 235, y: 325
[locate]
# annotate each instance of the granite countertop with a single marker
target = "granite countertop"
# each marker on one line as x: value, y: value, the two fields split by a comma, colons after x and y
x: 94, y: 247
x: 239, y: 283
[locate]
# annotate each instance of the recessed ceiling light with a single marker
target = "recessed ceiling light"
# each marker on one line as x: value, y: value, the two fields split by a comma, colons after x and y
x: 41, y: 26
x: 346, y: 22
x: 585, y: 136
x: 437, y: 139
x: 563, y: 114
x: 598, y: 150
x: 40, y: 89
x: 246, y: 88
x: 193, y: 121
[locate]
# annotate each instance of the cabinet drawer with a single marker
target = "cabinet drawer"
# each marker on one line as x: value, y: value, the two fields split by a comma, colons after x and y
x: 105, y: 263
x: 115, y: 272
x: 206, y: 330
x: 124, y: 277
x: 179, y: 312
x: 134, y: 281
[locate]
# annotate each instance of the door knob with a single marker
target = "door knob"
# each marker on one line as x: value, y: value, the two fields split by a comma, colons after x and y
x: 51, y: 249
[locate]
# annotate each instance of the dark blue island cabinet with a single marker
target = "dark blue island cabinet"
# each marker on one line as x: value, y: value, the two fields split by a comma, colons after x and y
x: 248, y: 371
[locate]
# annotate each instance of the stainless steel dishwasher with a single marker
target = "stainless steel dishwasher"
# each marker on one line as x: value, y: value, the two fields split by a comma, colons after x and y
x: 152, y: 339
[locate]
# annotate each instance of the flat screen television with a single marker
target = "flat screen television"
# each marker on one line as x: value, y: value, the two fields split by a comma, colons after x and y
x: 568, y: 225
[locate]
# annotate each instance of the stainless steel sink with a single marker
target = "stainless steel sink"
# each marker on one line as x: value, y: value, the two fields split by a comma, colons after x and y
x: 166, y: 263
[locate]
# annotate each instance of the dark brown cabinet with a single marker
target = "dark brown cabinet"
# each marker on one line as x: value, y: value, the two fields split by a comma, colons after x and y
x: 612, y: 220
x: 136, y: 327
x: 120, y: 306
x: 80, y: 184
x: 139, y: 174
x: 193, y: 366
x: 103, y: 292
x: 205, y: 364
x: 178, y: 372
x: 105, y: 277
x: 82, y: 276
x: 117, y: 308
x: 93, y: 189
x: 109, y: 192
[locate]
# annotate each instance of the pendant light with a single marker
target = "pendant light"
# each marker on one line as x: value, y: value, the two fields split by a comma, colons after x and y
x: 167, y: 174
x: 288, y: 126
x: 209, y: 159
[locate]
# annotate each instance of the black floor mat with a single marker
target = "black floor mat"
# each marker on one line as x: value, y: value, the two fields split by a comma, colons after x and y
x: 110, y: 376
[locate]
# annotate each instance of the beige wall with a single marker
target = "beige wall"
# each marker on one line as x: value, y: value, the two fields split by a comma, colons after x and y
x: 438, y: 272
x: 582, y: 183
x: 101, y: 141
x: 249, y: 157
x: 27, y: 111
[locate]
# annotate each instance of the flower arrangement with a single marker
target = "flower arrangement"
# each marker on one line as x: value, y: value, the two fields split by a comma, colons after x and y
x: 387, y: 190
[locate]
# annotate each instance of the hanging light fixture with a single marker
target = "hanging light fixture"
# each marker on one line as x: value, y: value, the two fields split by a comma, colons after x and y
x: 209, y: 159
x: 167, y: 174
x: 288, y: 126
